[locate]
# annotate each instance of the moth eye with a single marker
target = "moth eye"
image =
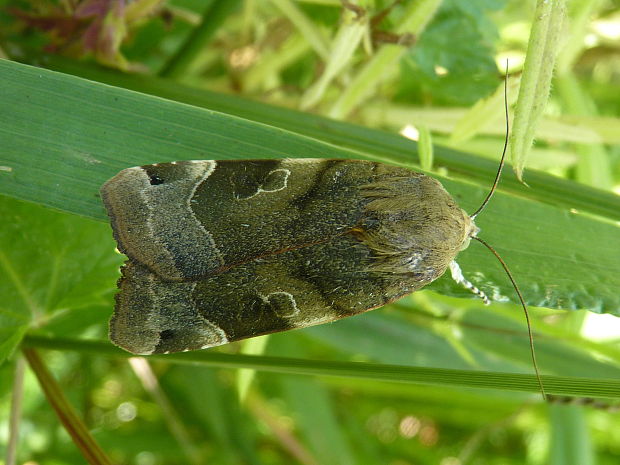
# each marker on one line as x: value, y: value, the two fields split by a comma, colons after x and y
x: 166, y: 334
x: 155, y: 180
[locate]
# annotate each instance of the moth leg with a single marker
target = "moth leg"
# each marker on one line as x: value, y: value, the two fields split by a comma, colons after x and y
x: 457, y: 275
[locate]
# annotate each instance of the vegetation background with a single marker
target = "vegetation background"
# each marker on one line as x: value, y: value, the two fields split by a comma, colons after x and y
x: 91, y: 87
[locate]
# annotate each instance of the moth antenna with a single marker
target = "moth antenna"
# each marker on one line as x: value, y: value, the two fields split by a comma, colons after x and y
x: 494, y: 252
x: 501, y: 162
x: 525, y: 311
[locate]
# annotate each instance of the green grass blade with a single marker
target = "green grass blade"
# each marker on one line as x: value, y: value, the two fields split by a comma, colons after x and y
x: 542, y: 50
x: 570, y: 436
x: 65, y: 136
x: 557, y: 385
x: 315, y: 411
x: 199, y: 39
x: 313, y: 35
x: 363, y: 141
x: 413, y: 21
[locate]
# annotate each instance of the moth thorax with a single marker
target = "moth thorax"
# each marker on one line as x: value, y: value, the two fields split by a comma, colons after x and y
x: 415, y: 228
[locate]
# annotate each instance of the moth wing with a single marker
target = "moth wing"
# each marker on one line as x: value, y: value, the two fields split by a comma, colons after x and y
x: 185, y: 220
x: 295, y: 289
x: 221, y: 251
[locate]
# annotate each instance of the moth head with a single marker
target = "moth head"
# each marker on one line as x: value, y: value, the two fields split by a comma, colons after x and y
x: 472, y: 232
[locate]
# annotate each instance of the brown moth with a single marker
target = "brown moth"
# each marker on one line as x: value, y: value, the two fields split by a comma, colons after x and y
x: 220, y: 251
x: 226, y: 250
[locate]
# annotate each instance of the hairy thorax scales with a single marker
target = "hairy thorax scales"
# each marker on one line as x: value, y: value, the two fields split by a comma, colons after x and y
x: 413, y: 226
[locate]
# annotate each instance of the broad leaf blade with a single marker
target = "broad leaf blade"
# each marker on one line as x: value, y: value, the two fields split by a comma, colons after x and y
x: 65, y: 136
x: 51, y: 263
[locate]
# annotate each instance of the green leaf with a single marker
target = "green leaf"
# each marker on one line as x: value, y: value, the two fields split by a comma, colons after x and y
x: 470, y: 336
x: 558, y: 385
x: 543, y: 47
x: 223, y: 419
x: 51, y: 264
x: 570, y: 436
x: 362, y: 141
x: 315, y: 412
x: 215, y: 14
x: 391, y: 334
x: 502, y: 334
x: 455, y: 43
x: 65, y: 136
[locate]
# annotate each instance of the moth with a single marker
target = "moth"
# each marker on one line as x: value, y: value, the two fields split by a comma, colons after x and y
x: 225, y: 250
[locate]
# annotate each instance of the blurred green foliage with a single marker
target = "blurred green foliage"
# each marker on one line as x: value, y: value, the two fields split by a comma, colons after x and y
x: 58, y: 270
x: 459, y: 43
